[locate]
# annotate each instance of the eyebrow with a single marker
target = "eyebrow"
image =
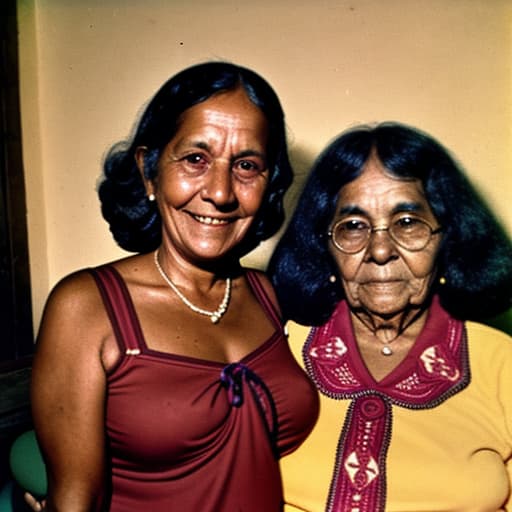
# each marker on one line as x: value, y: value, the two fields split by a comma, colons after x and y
x: 351, y: 210
x: 406, y: 206
x: 409, y: 207
x: 250, y: 152
x: 246, y: 152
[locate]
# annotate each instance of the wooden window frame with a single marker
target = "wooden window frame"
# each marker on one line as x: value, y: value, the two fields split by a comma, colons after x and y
x: 16, y: 340
x: 16, y: 335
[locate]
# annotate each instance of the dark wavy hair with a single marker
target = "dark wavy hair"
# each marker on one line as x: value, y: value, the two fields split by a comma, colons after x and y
x: 475, y: 254
x: 134, y: 221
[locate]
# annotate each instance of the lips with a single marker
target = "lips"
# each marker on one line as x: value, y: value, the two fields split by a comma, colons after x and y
x: 211, y: 221
x: 382, y: 285
x: 388, y: 280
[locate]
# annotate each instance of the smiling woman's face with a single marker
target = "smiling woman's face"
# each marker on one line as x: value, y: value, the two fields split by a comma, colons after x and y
x: 383, y: 278
x: 212, y: 176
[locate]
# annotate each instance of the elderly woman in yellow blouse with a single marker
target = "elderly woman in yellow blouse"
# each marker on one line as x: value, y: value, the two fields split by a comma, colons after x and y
x: 390, y: 260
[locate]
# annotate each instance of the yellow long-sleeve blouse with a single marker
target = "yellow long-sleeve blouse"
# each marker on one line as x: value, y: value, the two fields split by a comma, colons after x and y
x: 454, y: 456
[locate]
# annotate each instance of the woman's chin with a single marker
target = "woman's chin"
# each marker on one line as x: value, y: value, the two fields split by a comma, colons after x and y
x: 381, y: 305
x: 385, y: 302
x: 385, y: 312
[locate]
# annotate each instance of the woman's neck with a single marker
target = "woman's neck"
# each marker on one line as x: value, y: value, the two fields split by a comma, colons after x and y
x: 388, y: 328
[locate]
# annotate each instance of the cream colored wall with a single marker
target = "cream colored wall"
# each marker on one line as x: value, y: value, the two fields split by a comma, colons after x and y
x: 88, y: 67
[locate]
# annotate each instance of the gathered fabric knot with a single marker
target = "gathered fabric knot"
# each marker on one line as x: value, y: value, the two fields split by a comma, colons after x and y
x: 234, y: 377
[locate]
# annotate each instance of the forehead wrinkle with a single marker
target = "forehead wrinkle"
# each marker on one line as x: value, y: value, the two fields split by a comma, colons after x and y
x: 216, y: 117
x: 222, y: 130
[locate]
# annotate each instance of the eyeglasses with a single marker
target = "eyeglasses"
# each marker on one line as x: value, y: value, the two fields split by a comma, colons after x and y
x: 352, y: 234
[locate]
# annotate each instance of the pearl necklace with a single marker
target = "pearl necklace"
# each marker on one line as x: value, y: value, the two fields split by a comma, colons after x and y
x: 216, y: 315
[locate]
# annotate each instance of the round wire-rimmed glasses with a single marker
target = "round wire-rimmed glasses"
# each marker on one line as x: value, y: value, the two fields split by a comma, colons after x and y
x: 352, y: 234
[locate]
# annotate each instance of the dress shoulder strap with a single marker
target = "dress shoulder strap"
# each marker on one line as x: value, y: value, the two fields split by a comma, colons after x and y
x: 263, y: 297
x: 119, y: 307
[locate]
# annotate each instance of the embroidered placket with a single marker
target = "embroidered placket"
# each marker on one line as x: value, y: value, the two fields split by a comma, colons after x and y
x: 440, y: 370
x: 359, y: 480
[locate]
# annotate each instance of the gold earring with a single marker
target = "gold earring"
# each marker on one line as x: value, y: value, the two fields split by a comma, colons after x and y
x: 442, y: 280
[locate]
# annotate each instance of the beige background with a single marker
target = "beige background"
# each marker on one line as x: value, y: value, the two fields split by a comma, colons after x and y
x: 88, y: 67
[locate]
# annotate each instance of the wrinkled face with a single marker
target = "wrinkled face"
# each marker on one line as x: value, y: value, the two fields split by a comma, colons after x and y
x: 383, y: 278
x: 212, y: 176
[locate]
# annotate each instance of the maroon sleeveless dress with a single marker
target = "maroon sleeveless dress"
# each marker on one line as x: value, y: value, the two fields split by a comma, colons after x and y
x: 186, y: 434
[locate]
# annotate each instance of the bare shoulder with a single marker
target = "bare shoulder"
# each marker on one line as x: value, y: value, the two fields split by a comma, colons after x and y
x: 76, y: 325
x: 75, y: 294
x: 74, y: 319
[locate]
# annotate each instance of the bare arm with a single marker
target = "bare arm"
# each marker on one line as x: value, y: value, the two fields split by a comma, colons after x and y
x: 68, y: 395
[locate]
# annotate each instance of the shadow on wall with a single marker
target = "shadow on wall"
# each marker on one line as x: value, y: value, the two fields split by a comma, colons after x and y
x: 502, y: 322
x: 301, y: 160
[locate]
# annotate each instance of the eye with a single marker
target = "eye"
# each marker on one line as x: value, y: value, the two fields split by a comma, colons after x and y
x: 247, y: 165
x: 353, y: 225
x: 409, y: 223
x: 349, y: 231
x: 195, y: 161
x: 248, y: 168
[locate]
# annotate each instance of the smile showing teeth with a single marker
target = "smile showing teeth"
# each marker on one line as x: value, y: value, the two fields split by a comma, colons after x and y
x: 210, y: 220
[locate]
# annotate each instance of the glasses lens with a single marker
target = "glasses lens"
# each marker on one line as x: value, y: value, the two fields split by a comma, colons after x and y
x: 411, y: 233
x: 351, y: 235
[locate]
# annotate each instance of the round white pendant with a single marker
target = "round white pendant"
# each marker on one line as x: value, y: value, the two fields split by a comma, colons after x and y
x: 386, y: 351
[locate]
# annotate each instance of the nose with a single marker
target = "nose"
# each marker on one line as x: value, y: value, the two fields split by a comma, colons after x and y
x: 218, y: 186
x: 381, y: 247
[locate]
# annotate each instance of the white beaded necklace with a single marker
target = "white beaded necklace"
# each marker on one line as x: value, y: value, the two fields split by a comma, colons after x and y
x: 216, y: 315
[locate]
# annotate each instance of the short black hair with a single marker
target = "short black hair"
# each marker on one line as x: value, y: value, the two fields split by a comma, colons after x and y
x: 134, y: 221
x: 475, y: 256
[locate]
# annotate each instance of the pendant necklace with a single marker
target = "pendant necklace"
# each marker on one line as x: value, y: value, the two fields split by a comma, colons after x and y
x: 216, y: 315
x: 386, y: 350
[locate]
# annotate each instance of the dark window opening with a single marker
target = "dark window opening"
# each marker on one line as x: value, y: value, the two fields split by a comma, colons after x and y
x: 16, y: 330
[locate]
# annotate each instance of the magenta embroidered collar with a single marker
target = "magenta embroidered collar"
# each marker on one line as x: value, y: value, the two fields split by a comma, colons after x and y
x: 436, y: 368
